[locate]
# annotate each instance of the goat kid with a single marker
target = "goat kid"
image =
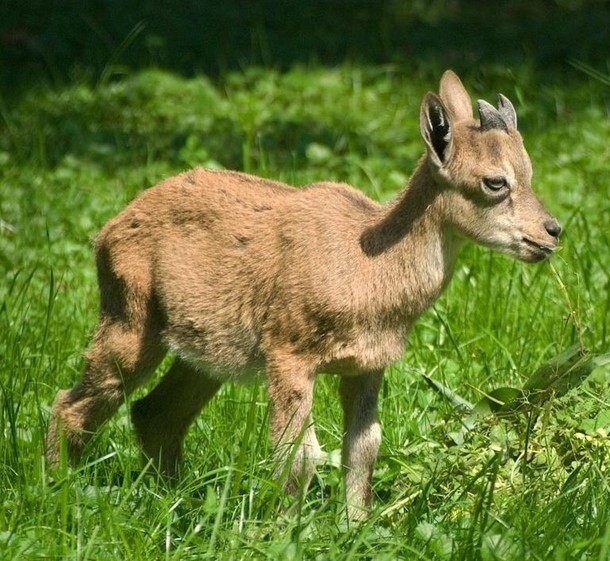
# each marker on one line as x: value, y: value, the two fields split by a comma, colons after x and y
x: 236, y: 274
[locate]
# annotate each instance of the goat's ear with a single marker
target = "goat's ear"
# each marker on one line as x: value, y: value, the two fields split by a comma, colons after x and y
x: 435, y: 124
x: 455, y: 97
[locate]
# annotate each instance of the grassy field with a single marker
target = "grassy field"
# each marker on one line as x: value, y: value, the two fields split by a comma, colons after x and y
x: 530, y: 487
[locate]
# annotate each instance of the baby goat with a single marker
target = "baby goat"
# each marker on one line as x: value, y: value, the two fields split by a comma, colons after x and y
x: 236, y: 274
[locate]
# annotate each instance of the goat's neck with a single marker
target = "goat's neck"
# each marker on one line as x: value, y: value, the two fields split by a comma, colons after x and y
x: 412, y: 246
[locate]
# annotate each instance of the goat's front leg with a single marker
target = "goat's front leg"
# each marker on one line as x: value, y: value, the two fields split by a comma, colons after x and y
x: 361, y: 439
x: 297, y: 452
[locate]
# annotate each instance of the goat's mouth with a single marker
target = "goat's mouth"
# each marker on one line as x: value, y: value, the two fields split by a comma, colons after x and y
x: 536, y: 251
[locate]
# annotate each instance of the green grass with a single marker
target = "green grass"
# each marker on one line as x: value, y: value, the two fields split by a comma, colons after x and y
x: 73, y: 156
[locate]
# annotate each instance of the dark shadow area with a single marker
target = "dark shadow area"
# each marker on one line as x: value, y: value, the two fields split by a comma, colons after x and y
x: 129, y: 126
x: 62, y: 40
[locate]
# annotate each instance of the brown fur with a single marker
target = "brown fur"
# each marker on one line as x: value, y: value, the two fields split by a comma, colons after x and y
x: 236, y: 274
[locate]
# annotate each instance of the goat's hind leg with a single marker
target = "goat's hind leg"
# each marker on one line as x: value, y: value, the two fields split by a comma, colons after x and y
x: 161, y: 419
x: 125, y: 350
x: 120, y: 358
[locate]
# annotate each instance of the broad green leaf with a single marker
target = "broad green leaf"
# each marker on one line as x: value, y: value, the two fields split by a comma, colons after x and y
x: 500, y: 400
x: 554, y: 378
x: 560, y: 374
x: 539, y: 380
x: 458, y: 401
x: 601, y: 420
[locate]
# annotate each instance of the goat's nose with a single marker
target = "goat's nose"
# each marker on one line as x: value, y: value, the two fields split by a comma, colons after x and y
x: 552, y: 227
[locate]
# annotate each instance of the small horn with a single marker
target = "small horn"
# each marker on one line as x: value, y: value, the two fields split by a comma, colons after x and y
x: 507, y: 111
x: 490, y: 117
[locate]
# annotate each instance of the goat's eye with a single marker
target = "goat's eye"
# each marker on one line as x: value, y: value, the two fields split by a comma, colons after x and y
x: 495, y: 183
